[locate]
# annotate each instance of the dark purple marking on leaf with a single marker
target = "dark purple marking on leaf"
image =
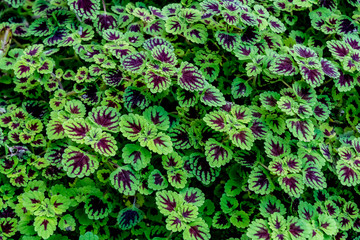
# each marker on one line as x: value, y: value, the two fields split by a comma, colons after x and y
x: 270, y: 100
x: 276, y: 148
x: 157, y: 81
x: 159, y: 141
x: 304, y: 52
x: 151, y: 43
x: 350, y: 210
x: 356, y: 224
x: 80, y: 160
x: 105, y: 119
x: 170, y: 205
x: 23, y: 69
x: 250, y: 35
x: 85, y: 8
x: 211, y: 96
x: 258, y: 129
x: 319, y: 111
x: 79, y: 129
x: 134, y: 61
x: 345, y: 80
x: 156, y: 12
x: 301, y: 127
x: 45, y: 66
x: 57, y: 36
x: 241, y: 136
x: 20, y: 179
x: 7, y: 227
x: 155, y: 27
x: 179, y: 137
x: 196, y: 33
x: 124, y: 177
x: 177, y: 178
x: 284, y: 65
x: 6, y: 119
x: 105, y: 145
x: 271, y: 208
x: 248, y: 19
x: 20, y: 30
x: 136, y: 128
x: 192, y: 198
x: 262, y: 233
x: 346, y: 26
x: 340, y: 49
x: 227, y: 40
x: 211, y: 6
x: 106, y: 21
x: 330, y: 4
x: 136, y: 155
x: 312, y: 175
x: 291, y: 183
x: 344, y: 221
x: 191, y: 79
x: 134, y: 98
x: 33, y: 51
x: 312, y: 75
x: 230, y: 18
x: 164, y: 55
x: 295, y: 230
x: 158, y: 179
x: 112, y: 36
x: 202, y: 170
x: 41, y: 28
x: 261, y: 181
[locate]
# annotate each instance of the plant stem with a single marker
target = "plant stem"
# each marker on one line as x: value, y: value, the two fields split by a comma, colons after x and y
x: 103, y: 2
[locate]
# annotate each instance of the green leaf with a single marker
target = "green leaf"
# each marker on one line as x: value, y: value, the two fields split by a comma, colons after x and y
x: 217, y: 154
x: 125, y: 180
x: 45, y: 226
x: 161, y: 144
x: 78, y: 163
x: 197, y: 230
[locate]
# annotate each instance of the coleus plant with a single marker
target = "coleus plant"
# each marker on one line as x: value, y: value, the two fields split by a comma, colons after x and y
x: 222, y: 119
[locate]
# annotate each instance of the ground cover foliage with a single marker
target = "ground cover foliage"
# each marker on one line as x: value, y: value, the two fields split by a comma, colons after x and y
x: 221, y: 119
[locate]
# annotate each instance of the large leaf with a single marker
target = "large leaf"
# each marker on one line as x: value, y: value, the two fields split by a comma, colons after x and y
x: 313, y: 177
x: 302, y: 129
x: 129, y: 217
x: 136, y: 155
x: 242, y: 138
x: 167, y: 201
x: 45, y: 226
x: 85, y: 8
x: 258, y: 230
x: 201, y: 169
x: 125, y: 180
x: 217, y: 154
x: 78, y: 163
x: 107, y: 118
x: 161, y: 144
x: 197, y: 230
x: 292, y: 184
x: 190, y: 78
x: 260, y: 182
x: 76, y: 129
x: 132, y: 125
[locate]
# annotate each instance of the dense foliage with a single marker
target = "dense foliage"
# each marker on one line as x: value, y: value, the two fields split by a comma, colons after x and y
x: 222, y: 119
